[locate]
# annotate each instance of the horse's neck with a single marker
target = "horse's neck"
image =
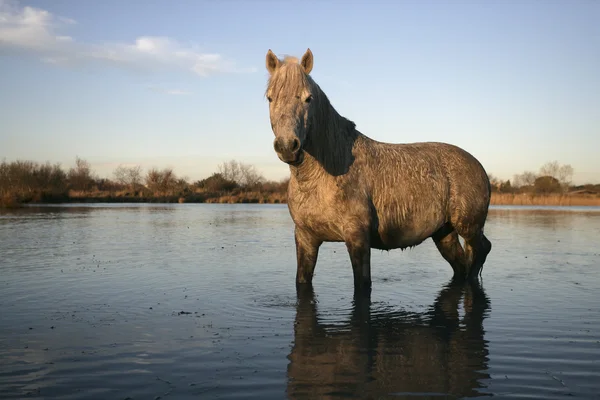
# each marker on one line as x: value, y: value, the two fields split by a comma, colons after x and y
x: 329, y: 156
x: 309, y: 174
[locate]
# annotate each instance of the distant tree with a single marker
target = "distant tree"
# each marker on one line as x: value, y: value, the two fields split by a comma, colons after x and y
x: 245, y: 175
x: 162, y: 181
x: 216, y: 183
x: 231, y: 171
x: 120, y: 174
x: 50, y: 177
x: 251, y: 178
x: 129, y: 176
x: 153, y: 179
x: 563, y: 173
x: 565, y: 176
x: 494, y: 182
x: 23, y: 180
x: 527, y: 178
x: 107, y: 185
x: 550, y: 169
x: 547, y: 184
x: 169, y: 180
x: 81, y: 177
x: 505, y: 187
x: 182, y: 185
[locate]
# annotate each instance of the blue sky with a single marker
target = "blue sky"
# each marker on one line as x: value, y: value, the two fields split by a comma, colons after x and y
x: 181, y: 84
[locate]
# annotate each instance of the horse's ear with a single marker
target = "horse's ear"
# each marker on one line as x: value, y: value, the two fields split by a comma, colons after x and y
x: 307, y: 61
x: 272, y: 62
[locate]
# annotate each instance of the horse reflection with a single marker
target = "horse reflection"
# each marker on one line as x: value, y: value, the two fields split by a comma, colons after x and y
x: 392, y: 353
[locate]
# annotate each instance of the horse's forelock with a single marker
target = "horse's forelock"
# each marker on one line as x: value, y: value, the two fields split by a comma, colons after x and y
x: 290, y: 60
x: 289, y: 78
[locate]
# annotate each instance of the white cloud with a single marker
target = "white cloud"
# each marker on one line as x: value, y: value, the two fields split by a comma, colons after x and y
x: 40, y: 33
x: 177, y: 92
x: 174, y: 92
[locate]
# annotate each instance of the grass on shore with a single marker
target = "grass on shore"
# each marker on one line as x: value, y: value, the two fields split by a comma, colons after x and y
x: 72, y: 196
x: 257, y: 197
x: 553, y: 199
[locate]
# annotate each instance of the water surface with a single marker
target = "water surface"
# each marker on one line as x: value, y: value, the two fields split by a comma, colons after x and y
x: 199, y: 301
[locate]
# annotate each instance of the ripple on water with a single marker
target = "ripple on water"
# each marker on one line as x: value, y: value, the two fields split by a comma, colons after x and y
x: 192, y: 301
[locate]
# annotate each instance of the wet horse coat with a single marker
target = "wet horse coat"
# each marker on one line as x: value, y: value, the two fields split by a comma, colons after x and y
x: 346, y: 187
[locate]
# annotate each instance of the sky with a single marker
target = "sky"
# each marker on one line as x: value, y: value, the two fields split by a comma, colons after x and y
x: 181, y: 84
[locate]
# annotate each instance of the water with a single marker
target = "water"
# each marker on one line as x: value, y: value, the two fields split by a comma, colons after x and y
x: 199, y: 301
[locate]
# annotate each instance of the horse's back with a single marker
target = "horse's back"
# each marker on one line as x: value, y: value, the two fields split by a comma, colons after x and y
x: 467, y: 181
x: 425, y: 163
x: 418, y: 187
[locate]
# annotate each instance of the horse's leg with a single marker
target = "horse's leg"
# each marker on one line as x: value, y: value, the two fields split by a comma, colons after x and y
x: 307, y: 251
x: 476, y: 250
x: 446, y: 240
x: 359, y: 249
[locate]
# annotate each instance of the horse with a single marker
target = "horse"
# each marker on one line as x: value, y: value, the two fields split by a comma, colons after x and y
x: 347, y: 187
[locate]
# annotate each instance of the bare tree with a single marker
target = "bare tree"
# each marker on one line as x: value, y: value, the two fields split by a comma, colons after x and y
x: 24, y: 178
x: 527, y: 178
x: 230, y: 170
x: 517, y: 181
x: 250, y: 176
x: 565, y: 176
x: 245, y: 175
x: 493, y: 180
x: 169, y: 180
x: 153, y: 178
x: 164, y: 181
x: 563, y: 173
x: 131, y: 176
x: 550, y: 169
x: 120, y: 174
x: 81, y: 177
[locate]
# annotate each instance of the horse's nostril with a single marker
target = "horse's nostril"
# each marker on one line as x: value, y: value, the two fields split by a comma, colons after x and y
x: 295, y: 145
x: 282, y: 146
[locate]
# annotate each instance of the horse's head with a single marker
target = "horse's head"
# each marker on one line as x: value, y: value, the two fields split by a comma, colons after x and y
x: 291, y: 94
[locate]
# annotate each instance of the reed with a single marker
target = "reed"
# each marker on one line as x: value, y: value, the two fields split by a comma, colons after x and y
x: 532, y: 199
x: 96, y: 196
x: 9, y: 201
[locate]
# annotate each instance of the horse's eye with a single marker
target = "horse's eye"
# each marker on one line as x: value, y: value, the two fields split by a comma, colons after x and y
x: 270, y: 99
x: 308, y: 99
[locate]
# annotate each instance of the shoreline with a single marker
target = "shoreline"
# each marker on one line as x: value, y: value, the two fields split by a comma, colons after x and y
x: 552, y: 199
x: 497, y: 199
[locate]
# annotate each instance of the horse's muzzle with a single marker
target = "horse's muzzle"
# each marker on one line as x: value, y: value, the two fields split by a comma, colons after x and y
x: 294, y: 159
x: 289, y: 151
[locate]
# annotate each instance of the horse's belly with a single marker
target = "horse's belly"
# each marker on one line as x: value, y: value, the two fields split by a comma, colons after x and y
x: 406, y: 232
x: 398, y: 239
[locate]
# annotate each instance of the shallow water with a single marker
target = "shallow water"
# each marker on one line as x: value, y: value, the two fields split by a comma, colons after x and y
x: 199, y: 301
